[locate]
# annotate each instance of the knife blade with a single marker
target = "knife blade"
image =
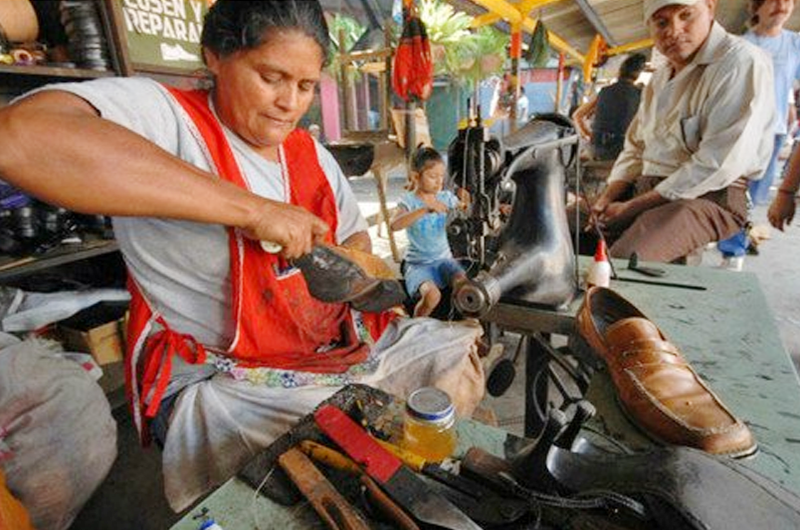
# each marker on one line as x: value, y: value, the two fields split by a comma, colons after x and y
x: 402, y: 485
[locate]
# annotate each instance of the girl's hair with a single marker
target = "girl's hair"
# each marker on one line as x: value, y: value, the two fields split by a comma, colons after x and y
x: 419, y: 161
x: 233, y: 25
x: 752, y: 8
x: 424, y: 156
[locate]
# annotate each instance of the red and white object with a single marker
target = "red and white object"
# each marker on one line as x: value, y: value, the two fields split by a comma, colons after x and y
x: 599, y: 274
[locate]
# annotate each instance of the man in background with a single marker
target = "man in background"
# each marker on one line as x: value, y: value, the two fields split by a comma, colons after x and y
x: 680, y: 181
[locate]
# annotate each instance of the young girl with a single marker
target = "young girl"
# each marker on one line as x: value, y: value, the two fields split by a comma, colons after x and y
x: 430, y: 265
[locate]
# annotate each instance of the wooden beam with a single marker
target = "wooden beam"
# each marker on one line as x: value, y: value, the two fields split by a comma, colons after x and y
x: 509, y: 12
x: 502, y: 8
x: 631, y: 46
x: 525, y: 7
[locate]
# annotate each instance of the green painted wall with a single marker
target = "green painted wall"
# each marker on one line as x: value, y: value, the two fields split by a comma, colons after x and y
x: 445, y: 108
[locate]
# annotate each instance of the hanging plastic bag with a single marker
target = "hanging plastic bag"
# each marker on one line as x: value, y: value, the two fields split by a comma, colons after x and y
x: 539, y: 48
x: 412, y: 66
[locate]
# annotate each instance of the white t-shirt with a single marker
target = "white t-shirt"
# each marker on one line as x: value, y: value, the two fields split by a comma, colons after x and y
x: 184, y: 267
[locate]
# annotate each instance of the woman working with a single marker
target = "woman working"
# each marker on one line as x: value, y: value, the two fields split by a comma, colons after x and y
x: 228, y: 348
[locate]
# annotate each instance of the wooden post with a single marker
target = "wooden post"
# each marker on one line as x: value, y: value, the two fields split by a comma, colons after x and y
x: 560, y: 81
x: 516, y: 54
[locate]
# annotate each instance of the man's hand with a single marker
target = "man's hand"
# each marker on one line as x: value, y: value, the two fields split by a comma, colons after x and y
x: 291, y: 227
x: 617, y: 213
x: 781, y: 211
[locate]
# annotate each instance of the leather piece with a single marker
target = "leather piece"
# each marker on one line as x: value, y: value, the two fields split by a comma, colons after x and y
x: 336, y: 275
x: 703, y: 491
x: 657, y: 387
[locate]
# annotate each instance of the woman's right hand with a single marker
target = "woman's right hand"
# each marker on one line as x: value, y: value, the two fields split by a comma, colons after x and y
x: 293, y: 228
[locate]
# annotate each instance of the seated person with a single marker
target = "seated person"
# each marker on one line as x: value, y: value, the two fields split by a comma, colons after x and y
x: 227, y: 348
x: 681, y: 179
x: 611, y: 111
x: 430, y: 265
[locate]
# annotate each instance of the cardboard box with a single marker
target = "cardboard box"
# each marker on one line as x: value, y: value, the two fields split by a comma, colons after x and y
x: 98, y: 330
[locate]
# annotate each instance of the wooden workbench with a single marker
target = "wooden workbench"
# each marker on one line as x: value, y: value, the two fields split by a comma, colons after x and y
x: 726, y: 331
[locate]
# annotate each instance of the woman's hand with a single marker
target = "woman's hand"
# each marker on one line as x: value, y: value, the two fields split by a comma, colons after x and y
x: 781, y: 211
x: 293, y: 228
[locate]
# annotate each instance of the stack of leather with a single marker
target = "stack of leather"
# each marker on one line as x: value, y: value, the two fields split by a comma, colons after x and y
x: 657, y: 387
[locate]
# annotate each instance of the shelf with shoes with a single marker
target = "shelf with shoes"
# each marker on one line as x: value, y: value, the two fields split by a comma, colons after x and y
x: 49, y: 41
x: 41, y: 74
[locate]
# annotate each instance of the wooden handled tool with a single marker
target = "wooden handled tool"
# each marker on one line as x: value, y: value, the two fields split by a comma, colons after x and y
x: 334, y: 509
x: 379, y: 500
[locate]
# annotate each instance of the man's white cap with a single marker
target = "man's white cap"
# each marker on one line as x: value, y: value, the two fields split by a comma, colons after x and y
x: 651, y: 6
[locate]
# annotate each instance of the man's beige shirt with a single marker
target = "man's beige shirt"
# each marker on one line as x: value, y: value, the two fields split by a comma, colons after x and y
x: 708, y: 125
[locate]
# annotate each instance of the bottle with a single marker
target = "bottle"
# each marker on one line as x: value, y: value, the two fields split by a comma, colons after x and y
x: 599, y: 274
x: 429, y: 424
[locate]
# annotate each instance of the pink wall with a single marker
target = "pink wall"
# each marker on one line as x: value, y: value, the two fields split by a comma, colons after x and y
x: 329, y: 100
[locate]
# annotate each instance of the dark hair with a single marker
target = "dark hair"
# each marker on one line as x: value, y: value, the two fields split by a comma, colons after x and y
x: 424, y: 156
x: 632, y: 66
x: 233, y: 25
x: 752, y: 8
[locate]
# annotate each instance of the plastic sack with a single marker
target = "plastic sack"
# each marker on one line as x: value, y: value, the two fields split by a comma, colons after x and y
x: 29, y: 311
x: 412, y: 67
x: 58, y: 439
x: 13, y: 515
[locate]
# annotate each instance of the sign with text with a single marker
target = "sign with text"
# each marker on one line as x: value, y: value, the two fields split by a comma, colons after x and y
x: 164, y: 32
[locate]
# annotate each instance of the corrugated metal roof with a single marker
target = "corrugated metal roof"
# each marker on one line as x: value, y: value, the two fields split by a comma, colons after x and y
x: 622, y: 18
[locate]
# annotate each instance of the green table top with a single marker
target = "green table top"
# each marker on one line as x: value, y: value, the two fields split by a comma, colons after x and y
x: 727, y: 333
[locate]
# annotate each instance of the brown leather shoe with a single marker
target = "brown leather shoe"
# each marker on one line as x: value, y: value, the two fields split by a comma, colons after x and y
x: 656, y: 386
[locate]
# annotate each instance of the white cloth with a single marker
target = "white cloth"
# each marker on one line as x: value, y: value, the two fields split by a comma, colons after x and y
x: 706, y: 126
x: 219, y: 424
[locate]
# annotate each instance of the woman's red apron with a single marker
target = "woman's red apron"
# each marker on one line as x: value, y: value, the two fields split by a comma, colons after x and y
x: 278, y: 324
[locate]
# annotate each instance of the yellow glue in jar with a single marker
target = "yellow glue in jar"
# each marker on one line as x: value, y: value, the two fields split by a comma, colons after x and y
x: 429, y: 424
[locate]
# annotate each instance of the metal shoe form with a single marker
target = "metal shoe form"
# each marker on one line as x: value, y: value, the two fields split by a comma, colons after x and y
x: 535, y: 261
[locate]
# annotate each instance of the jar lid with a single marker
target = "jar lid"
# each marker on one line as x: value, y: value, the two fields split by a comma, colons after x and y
x: 429, y: 403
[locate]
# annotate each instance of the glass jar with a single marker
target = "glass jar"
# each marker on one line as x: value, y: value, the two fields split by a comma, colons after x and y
x: 429, y: 424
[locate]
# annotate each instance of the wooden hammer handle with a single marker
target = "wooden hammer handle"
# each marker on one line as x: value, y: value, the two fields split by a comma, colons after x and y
x: 334, y: 509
